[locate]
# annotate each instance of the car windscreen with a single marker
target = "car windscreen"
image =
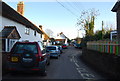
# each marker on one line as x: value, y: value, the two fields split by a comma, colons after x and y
x: 21, y: 48
x: 51, y: 48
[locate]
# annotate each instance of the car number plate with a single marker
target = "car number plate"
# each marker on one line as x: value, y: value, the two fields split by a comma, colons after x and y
x: 51, y: 52
x: 27, y: 59
x: 14, y: 59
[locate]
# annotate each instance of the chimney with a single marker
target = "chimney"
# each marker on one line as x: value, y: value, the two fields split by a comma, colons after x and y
x: 40, y: 26
x: 20, y: 7
x: 61, y: 33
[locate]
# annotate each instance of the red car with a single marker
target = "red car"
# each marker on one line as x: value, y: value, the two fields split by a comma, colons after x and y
x: 28, y: 57
x: 64, y: 46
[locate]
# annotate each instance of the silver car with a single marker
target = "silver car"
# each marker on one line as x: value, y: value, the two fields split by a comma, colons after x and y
x: 53, y: 50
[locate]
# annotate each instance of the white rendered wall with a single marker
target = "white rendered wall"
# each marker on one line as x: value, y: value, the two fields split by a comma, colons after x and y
x: 21, y: 30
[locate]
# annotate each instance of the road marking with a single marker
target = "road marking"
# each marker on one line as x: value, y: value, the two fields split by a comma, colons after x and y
x: 85, y: 74
x: 71, y: 59
x: 77, y: 65
x: 80, y: 52
x: 79, y: 72
x: 81, y: 69
x: 75, y: 59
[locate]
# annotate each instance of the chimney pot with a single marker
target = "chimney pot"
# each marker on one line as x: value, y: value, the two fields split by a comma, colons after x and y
x: 40, y: 26
x: 20, y: 7
x: 61, y: 33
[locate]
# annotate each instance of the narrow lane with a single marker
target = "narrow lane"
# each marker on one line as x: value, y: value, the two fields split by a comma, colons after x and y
x: 68, y: 66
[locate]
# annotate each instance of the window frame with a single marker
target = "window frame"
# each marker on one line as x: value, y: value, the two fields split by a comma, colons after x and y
x: 35, y: 33
x: 27, y: 30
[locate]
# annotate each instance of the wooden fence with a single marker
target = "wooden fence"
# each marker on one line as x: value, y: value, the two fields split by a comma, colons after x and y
x: 110, y: 47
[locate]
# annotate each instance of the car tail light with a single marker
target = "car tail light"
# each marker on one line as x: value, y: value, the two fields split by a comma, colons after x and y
x: 8, y: 57
x: 11, y: 69
x: 40, y: 58
x: 35, y: 69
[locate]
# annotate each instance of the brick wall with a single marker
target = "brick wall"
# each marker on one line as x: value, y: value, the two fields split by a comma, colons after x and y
x: 107, y: 64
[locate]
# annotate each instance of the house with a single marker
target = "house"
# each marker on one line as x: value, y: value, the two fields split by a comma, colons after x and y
x: 61, y: 38
x: 15, y: 27
x: 113, y: 35
x: 116, y: 9
x: 45, y: 37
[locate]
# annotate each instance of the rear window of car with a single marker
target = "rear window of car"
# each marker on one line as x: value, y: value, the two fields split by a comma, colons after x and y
x: 64, y: 45
x: 51, y: 48
x: 21, y: 48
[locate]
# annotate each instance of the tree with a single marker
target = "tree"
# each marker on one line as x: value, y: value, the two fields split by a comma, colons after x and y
x: 108, y: 28
x: 87, y: 20
x: 102, y: 34
x: 49, y: 32
x: 98, y: 35
x: 107, y: 35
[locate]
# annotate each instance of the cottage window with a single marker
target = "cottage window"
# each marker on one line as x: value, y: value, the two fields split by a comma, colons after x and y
x: 40, y: 35
x: 35, y: 33
x: 27, y: 31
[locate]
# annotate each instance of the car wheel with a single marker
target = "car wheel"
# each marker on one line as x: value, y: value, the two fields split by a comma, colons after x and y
x: 44, y: 73
x: 48, y: 62
x: 57, y: 57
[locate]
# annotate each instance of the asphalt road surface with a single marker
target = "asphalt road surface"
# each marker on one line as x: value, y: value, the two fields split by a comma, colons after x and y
x: 67, y: 66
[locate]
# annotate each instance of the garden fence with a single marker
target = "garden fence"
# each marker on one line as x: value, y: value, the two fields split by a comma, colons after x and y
x: 110, y: 47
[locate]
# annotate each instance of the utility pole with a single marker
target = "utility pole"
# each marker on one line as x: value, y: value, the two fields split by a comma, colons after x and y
x: 78, y: 33
x: 102, y: 28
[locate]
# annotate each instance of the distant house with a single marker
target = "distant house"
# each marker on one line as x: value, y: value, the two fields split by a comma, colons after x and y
x: 45, y: 37
x: 116, y: 9
x: 61, y: 38
x: 15, y: 27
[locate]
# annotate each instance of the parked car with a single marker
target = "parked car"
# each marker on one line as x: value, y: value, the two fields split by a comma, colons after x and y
x: 60, y: 48
x: 28, y: 57
x: 78, y: 46
x: 64, y: 46
x: 53, y: 50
